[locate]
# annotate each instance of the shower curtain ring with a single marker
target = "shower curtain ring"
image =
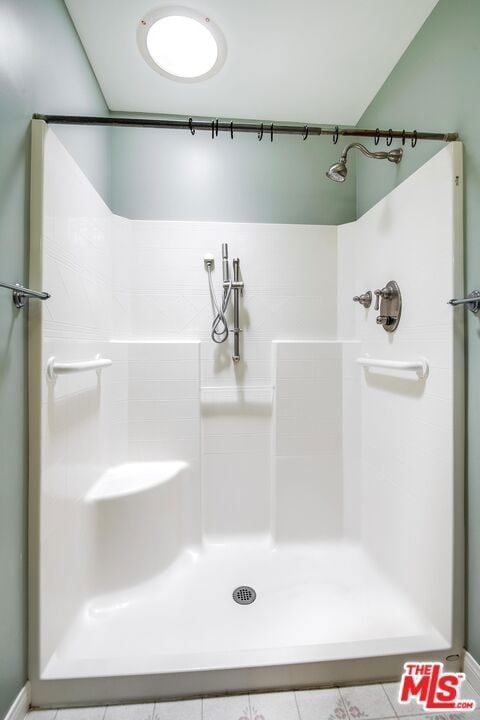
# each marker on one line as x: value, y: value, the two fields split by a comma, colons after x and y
x: 414, y: 138
x: 377, y: 136
x: 271, y: 132
x: 335, y: 135
x: 390, y: 137
x: 305, y: 132
x: 231, y: 129
x: 190, y: 124
x: 260, y: 132
x: 403, y: 137
x: 213, y: 129
x: 216, y: 127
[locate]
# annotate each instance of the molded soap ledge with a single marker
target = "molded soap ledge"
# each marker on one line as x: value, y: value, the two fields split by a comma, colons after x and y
x: 132, y: 478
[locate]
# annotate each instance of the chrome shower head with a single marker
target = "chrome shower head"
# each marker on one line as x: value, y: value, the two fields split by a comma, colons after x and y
x: 338, y: 171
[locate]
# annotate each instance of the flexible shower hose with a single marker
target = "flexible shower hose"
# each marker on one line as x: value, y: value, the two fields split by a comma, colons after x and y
x: 219, y: 325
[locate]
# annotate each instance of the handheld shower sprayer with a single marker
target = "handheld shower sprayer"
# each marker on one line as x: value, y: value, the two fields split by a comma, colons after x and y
x: 220, y: 330
x: 225, y: 268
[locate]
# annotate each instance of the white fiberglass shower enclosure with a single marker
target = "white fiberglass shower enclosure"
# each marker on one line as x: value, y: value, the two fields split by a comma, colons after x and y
x: 166, y: 479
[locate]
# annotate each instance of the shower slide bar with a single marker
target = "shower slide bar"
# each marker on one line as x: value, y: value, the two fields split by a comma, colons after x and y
x: 419, y: 366
x: 21, y: 294
x: 214, y: 126
x: 54, y: 368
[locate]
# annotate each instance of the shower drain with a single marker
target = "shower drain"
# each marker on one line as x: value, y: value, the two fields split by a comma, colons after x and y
x: 244, y: 595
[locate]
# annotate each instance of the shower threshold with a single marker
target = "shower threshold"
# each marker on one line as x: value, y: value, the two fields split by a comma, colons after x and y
x: 314, y: 603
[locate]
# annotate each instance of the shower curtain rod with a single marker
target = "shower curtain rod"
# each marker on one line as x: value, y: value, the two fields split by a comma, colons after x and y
x: 268, y: 129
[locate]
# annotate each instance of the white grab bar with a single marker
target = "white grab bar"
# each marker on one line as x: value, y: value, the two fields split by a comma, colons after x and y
x: 419, y: 366
x: 54, y: 368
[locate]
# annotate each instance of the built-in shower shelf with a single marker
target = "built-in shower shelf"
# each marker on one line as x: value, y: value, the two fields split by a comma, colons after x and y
x: 124, y: 481
x: 236, y: 394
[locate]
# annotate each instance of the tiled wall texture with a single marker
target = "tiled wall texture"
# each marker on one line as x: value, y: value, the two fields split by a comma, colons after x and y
x: 296, y: 443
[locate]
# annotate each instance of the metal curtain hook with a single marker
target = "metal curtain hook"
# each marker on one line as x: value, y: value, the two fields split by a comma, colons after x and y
x: 403, y: 137
x: 335, y: 135
x: 260, y: 132
x: 216, y: 127
x: 213, y: 129
x: 414, y: 139
x: 231, y: 129
x: 305, y: 132
x: 271, y: 132
x: 190, y: 124
x: 390, y: 137
x: 377, y: 136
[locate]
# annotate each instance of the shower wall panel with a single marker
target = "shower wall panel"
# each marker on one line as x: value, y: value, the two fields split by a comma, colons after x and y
x: 161, y: 293
x: 161, y: 286
x: 308, y: 441
x: 411, y: 429
x: 76, y: 409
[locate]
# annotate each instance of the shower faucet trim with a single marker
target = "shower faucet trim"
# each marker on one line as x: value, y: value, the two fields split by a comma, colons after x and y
x: 364, y: 299
x: 388, y: 300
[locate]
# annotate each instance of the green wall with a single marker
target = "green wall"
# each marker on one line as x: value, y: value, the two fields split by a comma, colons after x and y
x: 42, y: 69
x: 170, y: 175
x: 435, y: 87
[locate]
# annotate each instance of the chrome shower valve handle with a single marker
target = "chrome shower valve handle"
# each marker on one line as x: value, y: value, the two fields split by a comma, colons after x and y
x: 385, y: 320
x: 384, y: 293
x: 365, y: 299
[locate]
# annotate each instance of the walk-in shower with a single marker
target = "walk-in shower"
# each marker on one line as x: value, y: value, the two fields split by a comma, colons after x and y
x: 293, y: 519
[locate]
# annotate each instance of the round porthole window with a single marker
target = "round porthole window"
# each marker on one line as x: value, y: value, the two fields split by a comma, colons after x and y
x: 181, y: 44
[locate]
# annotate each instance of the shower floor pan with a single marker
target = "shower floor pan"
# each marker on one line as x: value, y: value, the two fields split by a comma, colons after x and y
x: 313, y: 603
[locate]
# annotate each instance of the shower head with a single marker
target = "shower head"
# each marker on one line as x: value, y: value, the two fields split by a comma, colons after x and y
x: 338, y: 171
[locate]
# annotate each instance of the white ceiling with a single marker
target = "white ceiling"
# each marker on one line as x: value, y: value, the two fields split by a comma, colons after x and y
x: 304, y: 60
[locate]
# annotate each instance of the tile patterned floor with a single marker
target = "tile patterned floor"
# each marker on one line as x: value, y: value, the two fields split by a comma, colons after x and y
x: 364, y: 702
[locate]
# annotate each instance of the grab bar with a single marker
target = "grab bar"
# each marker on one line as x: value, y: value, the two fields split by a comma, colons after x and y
x: 54, y: 368
x: 419, y: 366
x: 22, y: 294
